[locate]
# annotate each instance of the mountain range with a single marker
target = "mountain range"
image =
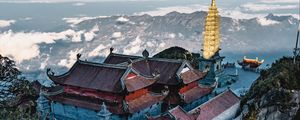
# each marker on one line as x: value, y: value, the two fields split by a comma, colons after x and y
x: 92, y: 37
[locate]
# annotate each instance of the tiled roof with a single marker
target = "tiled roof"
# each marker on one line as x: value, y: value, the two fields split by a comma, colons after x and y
x: 179, y: 114
x: 143, y: 102
x: 167, y: 69
x: 147, y: 67
x: 191, y: 76
x: 215, y: 106
x: 137, y: 82
x: 103, y: 77
x: 208, y: 110
x: 196, y: 93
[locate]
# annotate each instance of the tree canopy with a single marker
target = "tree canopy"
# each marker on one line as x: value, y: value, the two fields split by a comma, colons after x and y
x: 17, y: 97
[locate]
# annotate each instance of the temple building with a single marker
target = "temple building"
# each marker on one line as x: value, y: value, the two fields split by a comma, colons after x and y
x: 124, y: 87
x: 139, y: 87
x: 222, y: 107
x: 250, y: 64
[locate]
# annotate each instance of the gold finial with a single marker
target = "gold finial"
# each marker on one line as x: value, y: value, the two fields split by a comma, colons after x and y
x: 211, y: 34
x: 213, y: 3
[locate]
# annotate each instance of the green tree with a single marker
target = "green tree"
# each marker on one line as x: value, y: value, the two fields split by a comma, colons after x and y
x: 17, y: 97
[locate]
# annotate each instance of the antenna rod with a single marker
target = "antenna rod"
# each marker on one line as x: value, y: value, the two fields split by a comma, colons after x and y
x: 296, y: 51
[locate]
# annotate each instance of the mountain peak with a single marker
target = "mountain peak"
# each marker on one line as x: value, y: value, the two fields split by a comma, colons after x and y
x: 278, y: 18
x: 174, y: 13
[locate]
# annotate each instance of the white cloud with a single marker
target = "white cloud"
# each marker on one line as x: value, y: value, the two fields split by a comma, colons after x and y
x: 76, y: 20
x: 101, y: 50
x: 267, y: 7
x: 89, y: 36
x: 79, y: 4
x: 44, y: 63
x: 133, y: 47
x: 266, y: 22
x: 6, y: 23
x: 181, y: 9
x: 172, y: 35
x: 63, y: 62
x: 116, y: 35
x: 26, y: 18
x: 150, y: 44
x: 72, y: 58
x: 122, y: 19
x: 279, y: 1
x: 24, y: 46
x: 237, y: 14
x: 233, y: 13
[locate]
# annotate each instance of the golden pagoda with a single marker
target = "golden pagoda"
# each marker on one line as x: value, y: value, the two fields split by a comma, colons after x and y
x: 211, y: 43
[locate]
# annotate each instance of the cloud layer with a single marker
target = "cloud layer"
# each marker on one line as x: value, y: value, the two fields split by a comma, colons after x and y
x: 6, y: 23
x: 25, y: 46
x: 267, y: 7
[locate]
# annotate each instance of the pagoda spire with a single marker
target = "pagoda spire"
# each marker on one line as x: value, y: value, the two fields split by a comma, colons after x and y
x: 211, y: 43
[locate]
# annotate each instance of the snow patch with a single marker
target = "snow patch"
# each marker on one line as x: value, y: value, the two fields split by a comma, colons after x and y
x: 172, y: 35
x: 266, y: 22
x: 122, y: 19
x: 116, y: 35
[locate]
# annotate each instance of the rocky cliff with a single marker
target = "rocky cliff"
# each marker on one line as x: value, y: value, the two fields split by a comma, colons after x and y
x: 275, y: 94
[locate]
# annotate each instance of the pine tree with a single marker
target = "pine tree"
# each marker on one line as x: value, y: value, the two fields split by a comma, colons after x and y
x: 9, y: 75
x: 17, y: 96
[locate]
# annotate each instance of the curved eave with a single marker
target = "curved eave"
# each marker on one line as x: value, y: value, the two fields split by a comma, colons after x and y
x: 58, y: 78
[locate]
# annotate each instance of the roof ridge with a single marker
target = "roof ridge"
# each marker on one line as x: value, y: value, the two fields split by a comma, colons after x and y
x: 117, y: 54
x: 167, y: 60
x: 117, y: 66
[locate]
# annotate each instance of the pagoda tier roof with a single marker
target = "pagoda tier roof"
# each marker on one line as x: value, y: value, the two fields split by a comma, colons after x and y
x: 103, y: 77
x: 86, y: 102
x: 196, y: 93
x: 192, y: 75
x: 215, y: 106
x: 144, y: 101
